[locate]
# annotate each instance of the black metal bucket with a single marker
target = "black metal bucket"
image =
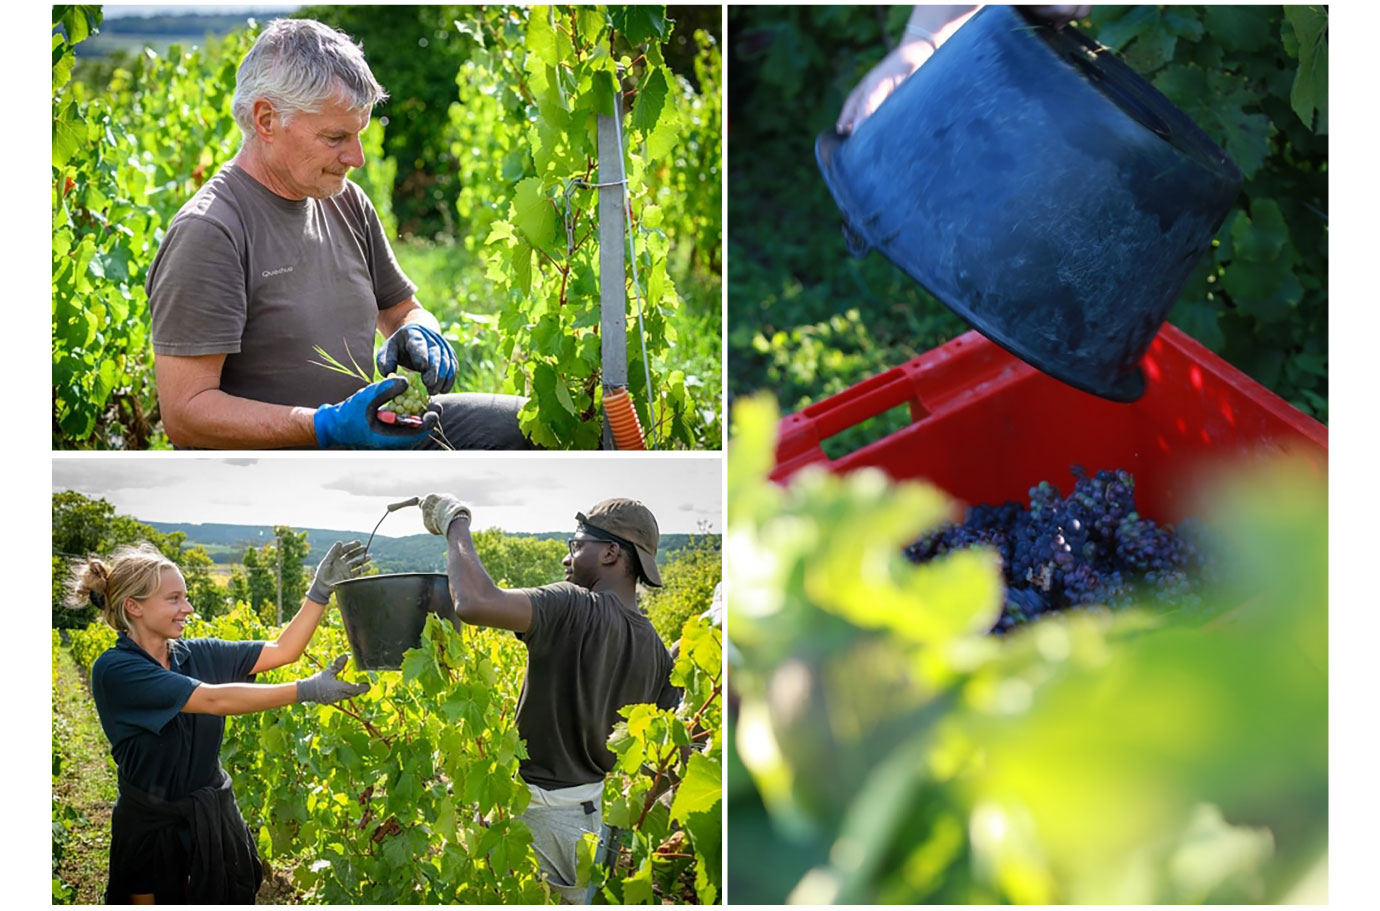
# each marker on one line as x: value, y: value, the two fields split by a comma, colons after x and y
x: 384, y: 615
x: 1042, y: 190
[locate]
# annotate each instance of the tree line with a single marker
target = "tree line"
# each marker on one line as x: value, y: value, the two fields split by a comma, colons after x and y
x: 273, y: 577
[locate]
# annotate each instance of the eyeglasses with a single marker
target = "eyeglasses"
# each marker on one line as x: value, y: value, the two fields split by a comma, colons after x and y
x: 571, y: 542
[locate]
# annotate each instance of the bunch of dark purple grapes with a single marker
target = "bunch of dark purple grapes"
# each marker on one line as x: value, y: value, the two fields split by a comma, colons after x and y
x: 1089, y: 548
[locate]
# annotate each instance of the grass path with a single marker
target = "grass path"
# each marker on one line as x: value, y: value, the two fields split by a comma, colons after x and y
x: 88, y: 783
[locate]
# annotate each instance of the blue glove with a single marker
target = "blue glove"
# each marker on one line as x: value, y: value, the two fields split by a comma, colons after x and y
x: 354, y: 423
x: 421, y: 349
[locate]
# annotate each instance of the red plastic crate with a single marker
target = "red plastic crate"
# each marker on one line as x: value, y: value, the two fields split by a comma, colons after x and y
x: 986, y: 426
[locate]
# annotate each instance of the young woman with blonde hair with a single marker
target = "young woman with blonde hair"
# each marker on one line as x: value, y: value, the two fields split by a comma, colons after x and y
x: 176, y: 831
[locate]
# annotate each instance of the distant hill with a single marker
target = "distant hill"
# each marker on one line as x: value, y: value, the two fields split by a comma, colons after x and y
x: 415, y: 553
x: 127, y: 34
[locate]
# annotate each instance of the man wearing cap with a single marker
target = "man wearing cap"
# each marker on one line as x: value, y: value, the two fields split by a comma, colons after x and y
x: 590, y: 652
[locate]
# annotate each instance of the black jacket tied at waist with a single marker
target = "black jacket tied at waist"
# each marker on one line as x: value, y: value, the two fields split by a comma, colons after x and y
x: 195, y: 850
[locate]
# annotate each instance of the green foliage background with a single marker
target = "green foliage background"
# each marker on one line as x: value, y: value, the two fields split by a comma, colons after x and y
x: 85, y: 526
x: 806, y: 320
x: 687, y: 590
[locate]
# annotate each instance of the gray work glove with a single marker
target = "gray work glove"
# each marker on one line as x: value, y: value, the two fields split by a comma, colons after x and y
x: 345, y: 560
x: 441, y: 509
x: 323, y: 687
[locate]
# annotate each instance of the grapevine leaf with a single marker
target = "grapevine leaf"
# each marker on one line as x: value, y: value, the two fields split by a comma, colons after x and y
x: 522, y: 268
x: 603, y: 85
x: 544, y: 384
x: 1182, y: 84
x: 69, y: 134
x: 656, y: 281
x: 1260, y: 236
x: 563, y: 396
x: 63, y: 58
x: 700, y: 789
x: 75, y: 26
x: 706, y: 834
x: 656, y: 825
x: 541, y: 35
x: 1309, y: 93
x: 639, y: 23
x: 661, y: 141
x: 113, y: 264
x: 1153, y: 47
x: 651, y: 97
x: 552, y: 103
x: 472, y: 30
x: 501, y: 230
x: 592, y: 23
x: 82, y: 256
x: 546, y: 334
x: 637, y: 889
x: 584, y: 280
x: 1120, y: 33
x: 654, y: 55
x: 586, y: 318
x: 958, y: 595
x: 1247, y: 139
x: 1184, y: 22
x: 1240, y: 29
x: 1266, y: 291
x: 533, y: 215
x: 118, y: 305
x: 415, y: 662
x: 546, y: 140
x: 496, y: 270
x: 1199, y: 318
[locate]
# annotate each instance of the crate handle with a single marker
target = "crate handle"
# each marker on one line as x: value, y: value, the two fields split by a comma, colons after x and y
x: 801, y: 433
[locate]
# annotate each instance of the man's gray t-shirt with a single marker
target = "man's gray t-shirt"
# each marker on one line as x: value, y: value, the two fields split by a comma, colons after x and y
x: 263, y: 280
x: 588, y: 655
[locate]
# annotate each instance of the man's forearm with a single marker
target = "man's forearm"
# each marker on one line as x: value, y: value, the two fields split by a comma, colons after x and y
x: 393, y: 318
x: 423, y: 317
x: 213, y: 419
x: 470, y: 583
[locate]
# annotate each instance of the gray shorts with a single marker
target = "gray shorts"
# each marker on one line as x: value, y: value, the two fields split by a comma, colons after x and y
x: 559, y: 819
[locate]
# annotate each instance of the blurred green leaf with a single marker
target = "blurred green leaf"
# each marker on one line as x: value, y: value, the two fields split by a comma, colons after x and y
x: 1309, y: 93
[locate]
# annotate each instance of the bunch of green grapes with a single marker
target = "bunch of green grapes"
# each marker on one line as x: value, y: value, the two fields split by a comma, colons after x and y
x: 414, y: 398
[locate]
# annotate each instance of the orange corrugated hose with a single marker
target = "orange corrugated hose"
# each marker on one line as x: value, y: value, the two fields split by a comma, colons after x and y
x: 627, y: 430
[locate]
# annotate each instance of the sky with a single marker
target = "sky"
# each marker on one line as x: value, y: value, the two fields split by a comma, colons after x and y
x: 517, y: 492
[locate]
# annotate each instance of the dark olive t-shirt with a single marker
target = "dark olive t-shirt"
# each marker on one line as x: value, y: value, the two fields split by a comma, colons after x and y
x: 263, y: 280
x: 588, y: 655
x: 158, y: 748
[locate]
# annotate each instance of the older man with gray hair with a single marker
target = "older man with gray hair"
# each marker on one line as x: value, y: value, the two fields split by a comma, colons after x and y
x: 280, y: 252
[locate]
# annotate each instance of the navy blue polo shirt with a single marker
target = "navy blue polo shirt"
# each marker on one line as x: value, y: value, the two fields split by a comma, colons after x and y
x: 157, y: 747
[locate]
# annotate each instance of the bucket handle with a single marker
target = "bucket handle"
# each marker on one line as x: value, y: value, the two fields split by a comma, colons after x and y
x: 392, y: 507
x: 856, y: 243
